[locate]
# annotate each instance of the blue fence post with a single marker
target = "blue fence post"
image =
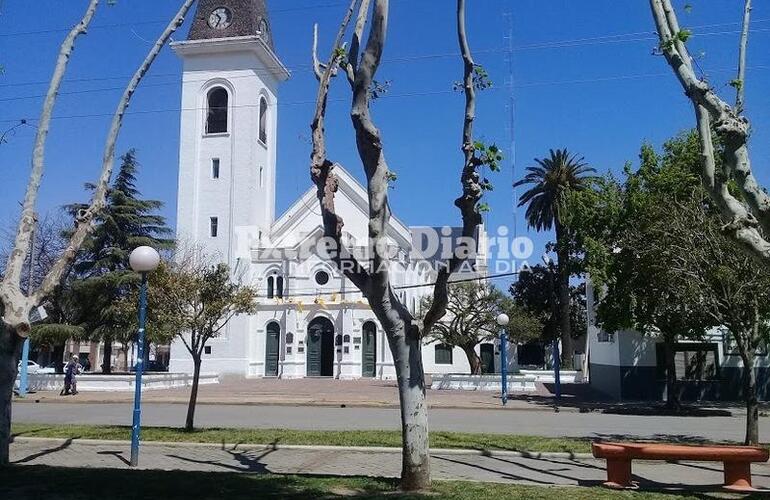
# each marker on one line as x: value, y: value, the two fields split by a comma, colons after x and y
x: 556, y: 369
x: 504, y: 366
x: 24, y: 370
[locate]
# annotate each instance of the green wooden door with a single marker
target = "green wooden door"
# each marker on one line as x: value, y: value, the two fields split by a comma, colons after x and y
x: 272, y: 349
x: 313, y: 352
x: 369, y: 354
x: 320, y: 348
x: 487, y: 358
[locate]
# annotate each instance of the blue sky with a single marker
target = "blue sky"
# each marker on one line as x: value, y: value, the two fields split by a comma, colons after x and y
x: 584, y: 78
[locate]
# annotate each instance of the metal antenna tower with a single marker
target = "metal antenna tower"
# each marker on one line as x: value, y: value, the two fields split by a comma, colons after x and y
x: 511, y: 108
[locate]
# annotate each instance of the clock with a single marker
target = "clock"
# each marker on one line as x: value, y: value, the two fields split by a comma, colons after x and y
x: 220, y: 18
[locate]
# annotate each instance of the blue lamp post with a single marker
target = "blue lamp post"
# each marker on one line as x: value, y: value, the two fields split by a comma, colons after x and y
x: 556, y: 368
x: 502, y: 321
x: 142, y: 260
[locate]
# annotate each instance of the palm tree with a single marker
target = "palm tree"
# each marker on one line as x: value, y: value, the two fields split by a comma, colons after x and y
x: 551, y: 181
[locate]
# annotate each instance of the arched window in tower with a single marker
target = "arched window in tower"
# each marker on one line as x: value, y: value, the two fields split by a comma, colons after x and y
x: 263, y: 120
x: 279, y: 286
x: 216, y: 117
x: 270, y: 287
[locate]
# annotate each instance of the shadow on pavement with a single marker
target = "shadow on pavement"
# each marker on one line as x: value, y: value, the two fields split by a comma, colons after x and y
x: 66, y: 444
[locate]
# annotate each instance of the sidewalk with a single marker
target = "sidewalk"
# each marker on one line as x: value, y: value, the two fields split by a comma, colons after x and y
x: 380, y: 462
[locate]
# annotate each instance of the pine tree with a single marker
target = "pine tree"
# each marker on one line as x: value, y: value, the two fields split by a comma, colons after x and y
x: 127, y: 222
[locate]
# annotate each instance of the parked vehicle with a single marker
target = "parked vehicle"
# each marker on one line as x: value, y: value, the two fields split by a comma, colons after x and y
x: 33, y: 368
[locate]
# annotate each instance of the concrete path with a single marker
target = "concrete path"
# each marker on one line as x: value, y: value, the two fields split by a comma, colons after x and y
x: 540, y: 423
x: 343, y: 462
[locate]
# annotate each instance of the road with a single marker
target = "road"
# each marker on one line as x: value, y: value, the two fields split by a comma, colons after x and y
x: 536, y: 423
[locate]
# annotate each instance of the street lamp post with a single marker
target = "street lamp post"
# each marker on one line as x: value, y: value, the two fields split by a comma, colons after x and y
x: 142, y: 260
x: 502, y: 321
x: 556, y: 368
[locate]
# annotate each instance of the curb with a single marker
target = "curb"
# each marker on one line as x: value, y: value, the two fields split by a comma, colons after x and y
x: 367, y: 449
x: 321, y: 404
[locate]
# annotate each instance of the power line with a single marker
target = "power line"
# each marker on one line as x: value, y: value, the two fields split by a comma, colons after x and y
x: 319, y: 293
x: 388, y: 96
x: 162, y: 21
x: 601, y: 40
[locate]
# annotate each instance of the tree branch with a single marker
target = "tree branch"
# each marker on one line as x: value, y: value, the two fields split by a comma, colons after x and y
x: 472, y: 192
x: 85, y: 219
x: 733, y: 130
x: 352, y: 65
x: 322, y: 169
x: 16, y: 305
x: 369, y: 143
x: 740, y: 84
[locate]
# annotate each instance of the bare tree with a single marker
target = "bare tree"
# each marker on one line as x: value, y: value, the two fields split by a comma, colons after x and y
x: 749, y: 217
x: 192, y: 300
x: 16, y: 304
x: 472, y: 310
x: 403, y: 330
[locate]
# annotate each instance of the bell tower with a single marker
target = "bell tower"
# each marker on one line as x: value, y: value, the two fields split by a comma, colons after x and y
x: 227, y: 156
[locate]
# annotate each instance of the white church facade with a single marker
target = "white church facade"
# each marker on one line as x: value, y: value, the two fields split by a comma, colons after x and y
x: 311, y: 320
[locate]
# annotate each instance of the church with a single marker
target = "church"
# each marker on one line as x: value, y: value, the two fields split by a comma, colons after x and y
x: 311, y: 322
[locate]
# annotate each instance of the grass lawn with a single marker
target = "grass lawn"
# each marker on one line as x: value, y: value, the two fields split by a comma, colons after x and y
x: 38, y: 482
x: 329, y: 438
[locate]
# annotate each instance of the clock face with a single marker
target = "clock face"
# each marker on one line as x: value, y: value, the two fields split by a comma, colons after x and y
x: 220, y: 18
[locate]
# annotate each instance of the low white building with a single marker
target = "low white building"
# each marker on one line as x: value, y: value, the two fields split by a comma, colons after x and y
x: 311, y: 320
x: 631, y: 366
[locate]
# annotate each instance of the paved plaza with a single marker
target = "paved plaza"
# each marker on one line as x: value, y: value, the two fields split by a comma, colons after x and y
x: 502, y: 467
x: 306, y: 391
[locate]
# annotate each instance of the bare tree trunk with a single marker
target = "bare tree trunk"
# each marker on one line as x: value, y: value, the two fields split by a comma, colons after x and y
x: 406, y: 347
x: 672, y: 398
x: 107, y: 356
x: 189, y: 425
x: 565, y: 307
x: 750, y: 396
x: 473, y: 359
x: 10, y: 351
x: 57, y: 356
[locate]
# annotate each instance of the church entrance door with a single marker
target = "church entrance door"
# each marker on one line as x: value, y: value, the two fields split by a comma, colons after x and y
x: 271, y: 349
x: 369, y: 354
x: 320, y: 348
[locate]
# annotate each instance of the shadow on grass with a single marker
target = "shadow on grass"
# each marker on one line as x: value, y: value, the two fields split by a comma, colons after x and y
x: 36, y: 482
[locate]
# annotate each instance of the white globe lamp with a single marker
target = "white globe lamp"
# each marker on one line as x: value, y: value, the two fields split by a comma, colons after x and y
x: 144, y: 259
x: 502, y: 319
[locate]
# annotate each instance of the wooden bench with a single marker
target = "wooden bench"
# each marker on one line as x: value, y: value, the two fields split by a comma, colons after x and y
x: 737, y: 460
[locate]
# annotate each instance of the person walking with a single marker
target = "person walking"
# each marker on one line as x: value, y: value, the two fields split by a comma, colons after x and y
x: 71, y: 372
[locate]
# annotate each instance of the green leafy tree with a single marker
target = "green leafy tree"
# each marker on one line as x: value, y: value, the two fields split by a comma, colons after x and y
x: 472, y: 311
x: 619, y: 226
x: 551, y: 183
x: 193, y: 301
x: 733, y: 287
x: 535, y: 292
x: 127, y: 222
